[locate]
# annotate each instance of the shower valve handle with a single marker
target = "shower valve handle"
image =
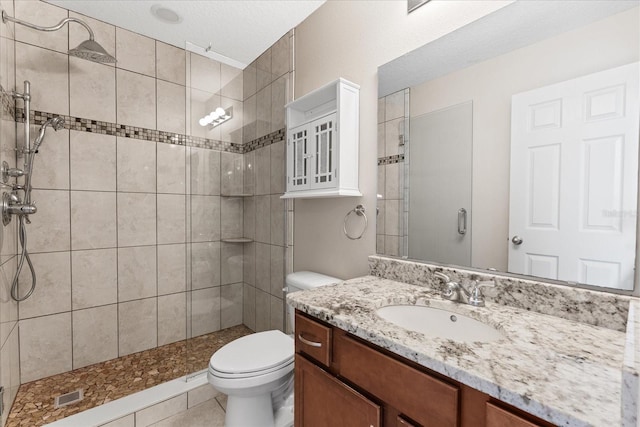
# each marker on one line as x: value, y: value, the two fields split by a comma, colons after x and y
x: 15, y: 172
x: 22, y: 209
x: 12, y: 205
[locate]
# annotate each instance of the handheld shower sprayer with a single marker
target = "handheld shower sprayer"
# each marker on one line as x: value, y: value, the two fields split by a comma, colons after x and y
x: 56, y: 122
x: 12, y: 205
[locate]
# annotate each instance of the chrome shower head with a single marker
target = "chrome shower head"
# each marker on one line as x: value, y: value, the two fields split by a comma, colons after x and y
x: 56, y: 122
x: 92, y: 51
x: 88, y: 49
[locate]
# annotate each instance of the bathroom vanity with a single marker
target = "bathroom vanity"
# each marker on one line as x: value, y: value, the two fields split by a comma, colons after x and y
x: 366, y: 385
x: 363, y: 370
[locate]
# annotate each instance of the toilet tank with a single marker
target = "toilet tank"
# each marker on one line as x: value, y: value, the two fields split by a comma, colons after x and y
x: 301, y: 281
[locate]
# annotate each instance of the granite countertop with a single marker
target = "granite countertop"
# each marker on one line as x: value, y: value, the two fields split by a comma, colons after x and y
x: 563, y: 371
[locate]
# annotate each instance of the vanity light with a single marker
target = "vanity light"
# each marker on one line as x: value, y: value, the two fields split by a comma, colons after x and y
x: 216, y: 117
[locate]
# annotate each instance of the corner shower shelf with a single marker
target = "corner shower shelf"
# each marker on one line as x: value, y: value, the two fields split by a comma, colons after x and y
x: 237, y: 195
x: 237, y: 240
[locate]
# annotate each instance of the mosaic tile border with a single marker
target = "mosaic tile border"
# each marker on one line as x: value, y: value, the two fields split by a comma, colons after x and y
x: 8, y: 108
x: 125, y: 131
x: 266, y: 140
x: 390, y: 160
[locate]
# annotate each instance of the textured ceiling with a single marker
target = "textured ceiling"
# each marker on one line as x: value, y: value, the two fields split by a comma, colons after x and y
x: 516, y: 25
x: 237, y: 29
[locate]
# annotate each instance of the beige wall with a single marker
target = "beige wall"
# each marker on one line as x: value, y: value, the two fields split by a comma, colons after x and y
x: 605, y: 44
x: 351, y: 39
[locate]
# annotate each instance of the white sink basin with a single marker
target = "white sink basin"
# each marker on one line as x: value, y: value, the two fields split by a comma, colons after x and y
x: 439, y: 323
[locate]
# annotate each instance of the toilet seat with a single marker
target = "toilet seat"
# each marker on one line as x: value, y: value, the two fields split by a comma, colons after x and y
x: 232, y: 375
x: 253, y: 355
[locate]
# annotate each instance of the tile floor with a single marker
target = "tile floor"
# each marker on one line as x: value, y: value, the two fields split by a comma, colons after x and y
x: 113, y: 379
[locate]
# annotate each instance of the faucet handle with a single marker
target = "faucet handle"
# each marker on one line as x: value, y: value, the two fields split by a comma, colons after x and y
x: 475, y: 295
x: 442, y: 276
x: 452, y: 292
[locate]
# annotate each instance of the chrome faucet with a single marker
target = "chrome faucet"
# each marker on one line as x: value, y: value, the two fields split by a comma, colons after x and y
x: 457, y: 292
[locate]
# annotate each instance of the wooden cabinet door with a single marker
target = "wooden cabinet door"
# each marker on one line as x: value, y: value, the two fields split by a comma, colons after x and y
x: 322, y: 400
x: 415, y: 394
x: 403, y: 422
x: 498, y: 417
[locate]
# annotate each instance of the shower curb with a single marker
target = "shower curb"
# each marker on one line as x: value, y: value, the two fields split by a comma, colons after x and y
x: 125, y: 406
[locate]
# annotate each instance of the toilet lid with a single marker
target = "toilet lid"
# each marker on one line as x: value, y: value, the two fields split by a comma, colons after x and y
x: 254, y: 353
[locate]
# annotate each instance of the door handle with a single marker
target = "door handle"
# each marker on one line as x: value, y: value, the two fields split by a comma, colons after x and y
x: 517, y: 240
x: 462, y: 221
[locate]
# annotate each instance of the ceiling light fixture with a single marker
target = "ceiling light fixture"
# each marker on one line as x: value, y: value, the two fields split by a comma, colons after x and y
x: 165, y: 14
x: 216, y: 117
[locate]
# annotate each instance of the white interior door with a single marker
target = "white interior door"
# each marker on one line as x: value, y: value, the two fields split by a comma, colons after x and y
x: 574, y: 178
x: 440, y: 166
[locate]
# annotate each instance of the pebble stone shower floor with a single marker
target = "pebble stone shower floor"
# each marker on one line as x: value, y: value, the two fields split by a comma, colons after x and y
x: 116, y: 378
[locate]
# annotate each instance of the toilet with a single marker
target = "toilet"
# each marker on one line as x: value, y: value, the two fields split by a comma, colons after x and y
x: 256, y: 371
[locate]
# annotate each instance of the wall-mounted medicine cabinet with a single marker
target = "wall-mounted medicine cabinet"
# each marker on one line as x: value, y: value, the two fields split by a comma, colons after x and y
x: 322, y: 142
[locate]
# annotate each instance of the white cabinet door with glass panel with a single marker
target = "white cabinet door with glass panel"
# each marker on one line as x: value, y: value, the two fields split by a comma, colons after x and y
x: 314, y: 155
x: 322, y: 142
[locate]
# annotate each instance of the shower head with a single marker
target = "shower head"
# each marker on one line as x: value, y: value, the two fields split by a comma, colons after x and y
x: 92, y: 51
x: 56, y: 122
x: 88, y: 49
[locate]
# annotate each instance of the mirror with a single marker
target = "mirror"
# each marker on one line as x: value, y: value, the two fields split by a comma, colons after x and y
x: 531, y: 114
x: 414, y: 4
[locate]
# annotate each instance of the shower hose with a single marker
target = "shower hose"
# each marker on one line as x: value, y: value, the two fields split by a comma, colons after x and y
x: 22, y: 233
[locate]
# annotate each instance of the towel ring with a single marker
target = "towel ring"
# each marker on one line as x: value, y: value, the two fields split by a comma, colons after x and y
x: 359, y: 210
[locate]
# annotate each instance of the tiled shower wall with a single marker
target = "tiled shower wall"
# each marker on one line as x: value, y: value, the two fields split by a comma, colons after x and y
x: 119, y: 261
x: 133, y: 201
x: 267, y: 88
x: 9, y: 350
x: 393, y: 140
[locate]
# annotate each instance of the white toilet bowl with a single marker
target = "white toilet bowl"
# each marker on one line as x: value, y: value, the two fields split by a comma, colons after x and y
x: 256, y: 371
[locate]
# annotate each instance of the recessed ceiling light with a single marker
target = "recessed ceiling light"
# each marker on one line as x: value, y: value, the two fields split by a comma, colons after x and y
x: 165, y: 14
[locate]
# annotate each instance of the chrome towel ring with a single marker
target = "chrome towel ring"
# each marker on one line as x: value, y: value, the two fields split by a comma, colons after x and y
x: 359, y: 211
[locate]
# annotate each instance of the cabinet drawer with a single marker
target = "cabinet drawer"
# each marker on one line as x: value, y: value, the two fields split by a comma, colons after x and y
x: 313, y: 339
x: 322, y: 400
x: 498, y: 417
x: 421, y: 397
